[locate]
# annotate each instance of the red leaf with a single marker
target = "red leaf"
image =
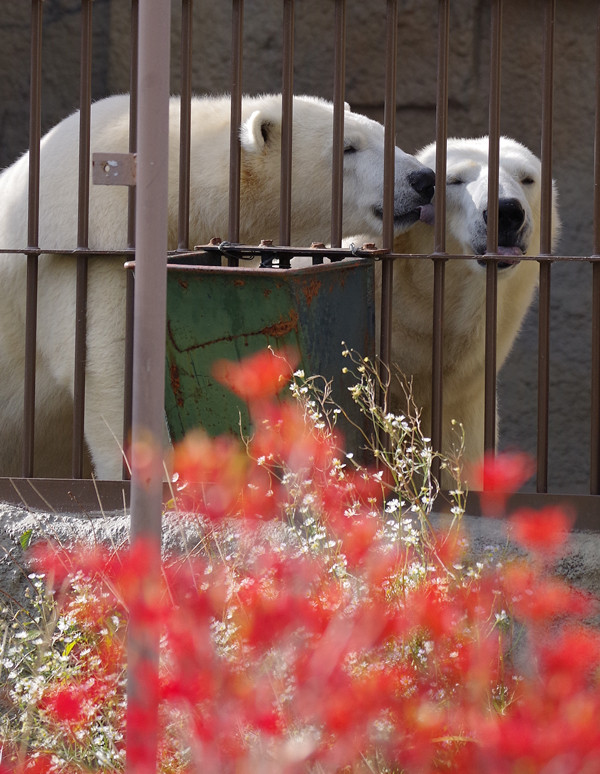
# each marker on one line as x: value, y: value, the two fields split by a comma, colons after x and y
x: 258, y: 376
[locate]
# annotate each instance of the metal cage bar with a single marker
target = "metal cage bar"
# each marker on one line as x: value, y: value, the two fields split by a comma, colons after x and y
x: 83, y: 212
x: 491, y: 285
x: 439, y: 257
x: 339, y: 85
x: 287, y: 118
x: 389, y: 119
x: 185, y: 125
x: 545, y: 249
x: 237, y: 29
x: 439, y: 248
x: 131, y: 227
x: 595, y: 382
x: 33, y: 218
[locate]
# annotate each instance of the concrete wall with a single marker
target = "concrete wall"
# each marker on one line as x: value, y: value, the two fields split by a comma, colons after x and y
x: 469, y: 78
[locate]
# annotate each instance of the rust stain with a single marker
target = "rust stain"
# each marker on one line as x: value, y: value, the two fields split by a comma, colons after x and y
x: 267, y: 292
x: 276, y: 330
x: 311, y: 291
x: 183, y: 283
x: 283, y: 327
x: 239, y: 282
x: 176, y: 384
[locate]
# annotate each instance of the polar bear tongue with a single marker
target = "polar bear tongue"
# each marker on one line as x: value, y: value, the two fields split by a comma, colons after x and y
x: 513, y: 250
x: 427, y: 214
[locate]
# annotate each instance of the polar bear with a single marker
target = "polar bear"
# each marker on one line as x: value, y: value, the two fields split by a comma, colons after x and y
x: 260, y: 138
x: 464, y: 304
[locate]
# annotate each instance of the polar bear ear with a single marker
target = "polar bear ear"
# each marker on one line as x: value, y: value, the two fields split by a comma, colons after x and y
x: 256, y: 132
x: 347, y: 107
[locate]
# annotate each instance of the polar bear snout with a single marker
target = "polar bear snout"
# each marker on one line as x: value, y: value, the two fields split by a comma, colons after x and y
x: 511, y: 217
x: 423, y: 181
x: 410, y: 199
x: 512, y: 231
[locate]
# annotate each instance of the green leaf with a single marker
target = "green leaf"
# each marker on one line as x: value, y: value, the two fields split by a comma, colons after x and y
x: 25, y: 539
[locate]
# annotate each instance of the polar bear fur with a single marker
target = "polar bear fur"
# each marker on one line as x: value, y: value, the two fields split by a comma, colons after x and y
x: 260, y: 137
x: 464, y: 305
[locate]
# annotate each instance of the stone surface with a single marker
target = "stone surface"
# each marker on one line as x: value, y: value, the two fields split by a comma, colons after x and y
x: 580, y: 565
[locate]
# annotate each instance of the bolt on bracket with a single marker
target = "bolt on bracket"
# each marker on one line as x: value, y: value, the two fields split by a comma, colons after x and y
x: 114, y: 168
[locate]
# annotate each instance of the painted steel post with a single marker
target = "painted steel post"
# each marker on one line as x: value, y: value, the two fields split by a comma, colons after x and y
x: 148, y: 372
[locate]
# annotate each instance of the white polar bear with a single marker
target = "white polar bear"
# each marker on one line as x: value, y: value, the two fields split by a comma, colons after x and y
x: 260, y: 137
x: 464, y: 305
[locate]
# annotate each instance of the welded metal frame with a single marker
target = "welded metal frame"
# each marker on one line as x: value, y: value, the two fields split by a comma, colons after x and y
x: 439, y: 257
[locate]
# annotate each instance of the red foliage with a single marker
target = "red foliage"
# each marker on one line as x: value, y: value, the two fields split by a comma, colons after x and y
x: 545, y: 531
x: 258, y: 376
x: 498, y: 476
x: 278, y: 661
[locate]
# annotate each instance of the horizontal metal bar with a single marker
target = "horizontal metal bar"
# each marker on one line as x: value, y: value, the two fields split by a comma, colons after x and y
x: 363, y: 251
x: 75, y: 252
x: 260, y: 270
x: 585, y: 508
x: 253, y: 251
x: 86, y: 496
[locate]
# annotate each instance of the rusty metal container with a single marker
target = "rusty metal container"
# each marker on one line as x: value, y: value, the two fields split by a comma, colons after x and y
x: 217, y: 312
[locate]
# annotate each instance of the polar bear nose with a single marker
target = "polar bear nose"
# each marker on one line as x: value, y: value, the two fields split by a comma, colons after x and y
x: 511, y: 215
x: 423, y: 181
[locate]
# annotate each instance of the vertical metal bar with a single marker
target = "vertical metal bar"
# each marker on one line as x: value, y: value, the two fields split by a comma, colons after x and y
x: 237, y: 30
x: 389, y: 170
x: 33, y: 217
x: 595, y: 387
x: 545, y: 249
x: 595, y: 409
x: 339, y: 87
x: 287, y: 118
x: 543, y: 377
x: 441, y: 127
x: 131, y: 219
x: 439, y: 266
x: 133, y: 95
x: 148, y: 367
x: 491, y: 296
x: 183, y: 232
x: 489, y: 440
x: 151, y: 254
x: 83, y: 208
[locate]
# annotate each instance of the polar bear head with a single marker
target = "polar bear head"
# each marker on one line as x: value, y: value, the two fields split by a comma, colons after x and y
x: 519, y: 194
x: 312, y: 154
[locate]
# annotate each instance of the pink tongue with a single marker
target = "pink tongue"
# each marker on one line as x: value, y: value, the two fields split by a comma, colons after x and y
x: 427, y: 214
x: 514, y: 250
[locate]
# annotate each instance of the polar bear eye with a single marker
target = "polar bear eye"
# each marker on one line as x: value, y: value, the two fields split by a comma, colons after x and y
x: 454, y: 181
x: 349, y: 149
x: 527, y: 180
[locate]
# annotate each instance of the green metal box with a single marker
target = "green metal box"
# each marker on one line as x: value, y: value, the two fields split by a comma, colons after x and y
x: 230, y: 313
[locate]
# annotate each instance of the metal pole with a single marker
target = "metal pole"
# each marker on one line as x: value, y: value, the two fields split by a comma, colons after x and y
x: 339, y: 85
x: 287, y: 117
x: 595, y: 387
x: 235, y: 152
x: 131, y: 194
x: 439, y: 265
x: 83, y: 208
x: 491, y: 293
x: 389, y: 169
x: 33, y: 218
x: 545, y: 249
x: 148, y: 368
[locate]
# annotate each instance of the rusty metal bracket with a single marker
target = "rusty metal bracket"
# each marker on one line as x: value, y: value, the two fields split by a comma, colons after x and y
x: 279, y: 256
x: 114, y: 168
